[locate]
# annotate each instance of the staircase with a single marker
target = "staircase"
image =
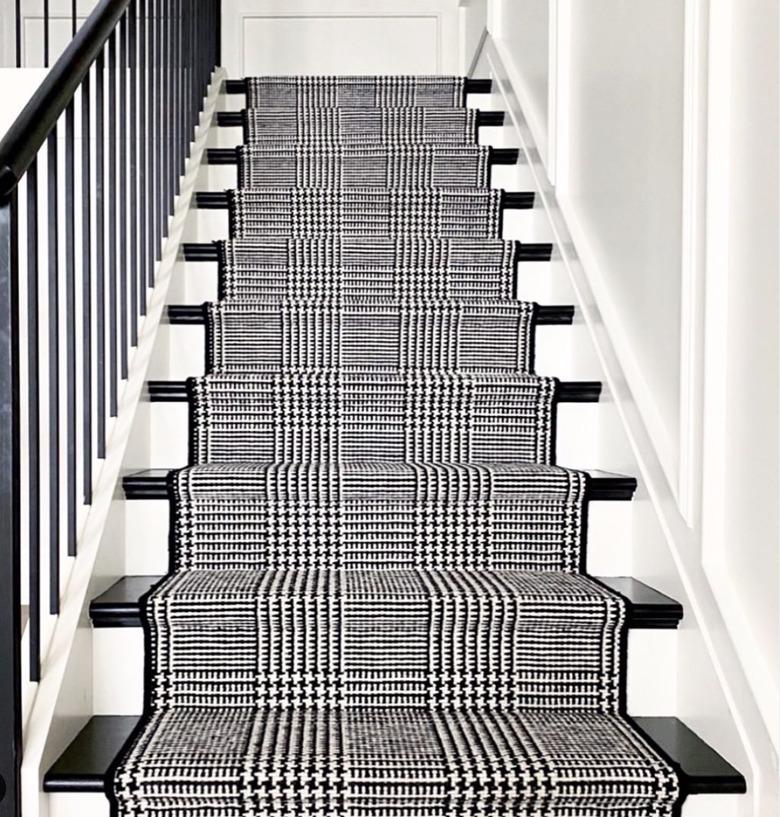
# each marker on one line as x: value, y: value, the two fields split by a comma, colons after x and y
x: 368, y: 569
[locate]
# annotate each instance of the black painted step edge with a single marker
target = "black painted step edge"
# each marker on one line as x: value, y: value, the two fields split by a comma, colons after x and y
x: 85, y: 763
x: 235, y: 119
x: 208, y: 252
x: 473, y: 86
x: 602, y: 486
x: 194, y: 314
x: 229, y: 156
x: 647, y: 608
x: 175, y: 391
x: 218, y: 200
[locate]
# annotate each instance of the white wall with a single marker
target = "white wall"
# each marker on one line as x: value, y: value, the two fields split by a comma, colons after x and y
x: 340, y: 37
x: 654, y: 128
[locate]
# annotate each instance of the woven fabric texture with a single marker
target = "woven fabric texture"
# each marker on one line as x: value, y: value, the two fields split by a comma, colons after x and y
x: 356, y: 92
x: 378, y: 604
x: 344, y: 126
x: 355, y: 167
x: 379, y: 515
x: 370, y: 213
x: 407, y: 267
x: 335, y: 414
x: 369, y: 333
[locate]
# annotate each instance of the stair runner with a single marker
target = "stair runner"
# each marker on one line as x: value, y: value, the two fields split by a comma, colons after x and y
x: 377, y: 602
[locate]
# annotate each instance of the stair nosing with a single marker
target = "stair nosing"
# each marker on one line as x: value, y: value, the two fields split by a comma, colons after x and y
x: 119, y: 728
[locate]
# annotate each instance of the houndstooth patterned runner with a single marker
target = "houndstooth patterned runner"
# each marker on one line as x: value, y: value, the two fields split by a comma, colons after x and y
x: 368, y: 333
x: 350, y: 167
x: 339, y: 515
x: 377, y: 604
x: 370, y: 213
x: 355, y: 92
x: 412, y: 126
x: 338, y: 414
x: 355, y: 266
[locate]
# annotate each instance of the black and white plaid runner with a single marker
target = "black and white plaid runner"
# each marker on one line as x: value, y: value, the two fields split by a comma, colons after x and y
x: 355, y: 92
x: 344, y: 126
x: 350, y: 167
x: 378, y: 604
x: 408, y: 267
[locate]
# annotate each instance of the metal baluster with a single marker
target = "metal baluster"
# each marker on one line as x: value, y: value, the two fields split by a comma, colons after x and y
x: 74, y: 13
x: 157, y: 143
x: 113, y: 386
x: 45, y: 33
x: 34, y: 423
x: 100, y: 296
x: 86, y: 287
x: 122, y: 117
x: 10, y: 495
x: 70, y: 311
x: 18, y: 20
x: 54, y: 357
x: 134, y: 213
x: 143, y: 178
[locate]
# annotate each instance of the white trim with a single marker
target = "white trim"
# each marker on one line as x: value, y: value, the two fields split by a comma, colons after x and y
x: 53, y: 723
x: 692, y: 262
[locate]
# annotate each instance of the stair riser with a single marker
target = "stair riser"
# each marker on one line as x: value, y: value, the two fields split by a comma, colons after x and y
x: 147, y: 527
x: 576, y: 435
x: 186, y: 351
x: 118, y: 655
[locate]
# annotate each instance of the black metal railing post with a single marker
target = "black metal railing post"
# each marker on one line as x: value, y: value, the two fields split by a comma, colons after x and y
x: 10, y: 529
x: 80, y: 246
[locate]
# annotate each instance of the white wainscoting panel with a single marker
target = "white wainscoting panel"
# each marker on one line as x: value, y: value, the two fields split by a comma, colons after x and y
x: 340, y: 37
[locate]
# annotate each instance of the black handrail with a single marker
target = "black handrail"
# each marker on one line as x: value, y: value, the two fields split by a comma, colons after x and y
x: 27, y: 134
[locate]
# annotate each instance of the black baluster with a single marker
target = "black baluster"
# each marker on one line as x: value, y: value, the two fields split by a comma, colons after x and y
x: 134, y: 214
x: 34, y: 423
x: 143, y: 177
x: 70, y: 311
x: 74, y: 13
x: 45, y: 33
x: 113, y: 385
x: 122, y: 180
x: 100, y: 292
x: 10, y: 496
x: 86, y: 287
x: 54, y: 357
x: 18, y: 20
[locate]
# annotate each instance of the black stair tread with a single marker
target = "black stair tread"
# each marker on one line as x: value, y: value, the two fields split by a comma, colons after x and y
x: 546, y: 315
x: 152, y: 483
x: 702, y: 770
x: 473, y: 86
x: 574, y: 391
x: 229, y: 156
x: 207, y: 252
x: 218, y: 200
x: 235, y: 119
x: 647, y: 608
x: 85, y: 764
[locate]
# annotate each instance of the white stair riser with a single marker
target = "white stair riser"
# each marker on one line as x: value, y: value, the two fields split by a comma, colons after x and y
x: 118, y: 660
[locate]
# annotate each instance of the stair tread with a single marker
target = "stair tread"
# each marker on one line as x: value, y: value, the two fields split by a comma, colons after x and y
x: 647, y: 608
x: 152, y: 483
x: 85, y: 764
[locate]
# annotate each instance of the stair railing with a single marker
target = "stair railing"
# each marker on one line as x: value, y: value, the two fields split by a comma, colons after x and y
x: 89, y: 172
